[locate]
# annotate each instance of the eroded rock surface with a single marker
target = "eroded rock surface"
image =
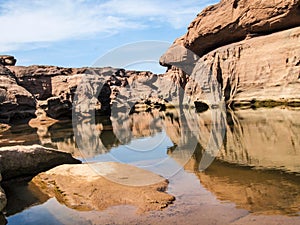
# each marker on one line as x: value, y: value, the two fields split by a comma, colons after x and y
x: 105, y: 184
x: 257, y: 71
x: 233, y: 20
x: 15, y: 101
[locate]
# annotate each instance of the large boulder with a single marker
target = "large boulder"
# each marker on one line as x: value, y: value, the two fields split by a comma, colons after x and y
x: 106, y: 184
x: 233, y: 20
x: 15, y: 101
x: 17, y: 161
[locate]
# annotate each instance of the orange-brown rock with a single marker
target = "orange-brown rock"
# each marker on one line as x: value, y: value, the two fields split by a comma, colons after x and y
x: 261, y: 69
x: 101, y: 185
x: 15, y: 101
x: 233, y: 20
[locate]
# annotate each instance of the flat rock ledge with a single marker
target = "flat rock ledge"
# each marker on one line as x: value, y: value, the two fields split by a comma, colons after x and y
x: 22, y: 161
x: 98, y: 186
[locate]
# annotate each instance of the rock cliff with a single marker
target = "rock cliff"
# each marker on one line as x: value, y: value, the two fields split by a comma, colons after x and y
x: 234, y: 20
x: 250, y: 47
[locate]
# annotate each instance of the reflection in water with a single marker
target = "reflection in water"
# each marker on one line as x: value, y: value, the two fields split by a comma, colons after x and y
x: 264, y: 138
x: 21, y: 195
x: 257, y: 168
x: 266, y: 192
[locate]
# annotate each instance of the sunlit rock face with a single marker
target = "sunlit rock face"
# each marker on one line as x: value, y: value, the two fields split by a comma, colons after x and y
x: 259, y: 71
x: 15, y: 101
x: 233, y: 20
x: 106, y: 184
x: 252, y: 50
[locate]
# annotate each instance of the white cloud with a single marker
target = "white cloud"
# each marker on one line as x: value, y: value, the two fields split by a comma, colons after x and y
x: 30, y: 22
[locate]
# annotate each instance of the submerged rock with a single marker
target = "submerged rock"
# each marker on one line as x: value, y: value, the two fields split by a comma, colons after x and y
x: 17, y: 161
x: 106, y: 184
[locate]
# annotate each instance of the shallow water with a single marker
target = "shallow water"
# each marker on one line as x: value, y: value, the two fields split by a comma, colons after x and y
x: 255, y: 177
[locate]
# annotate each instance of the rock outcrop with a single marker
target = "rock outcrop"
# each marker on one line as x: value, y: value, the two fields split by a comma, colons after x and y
x: 7, y: 60
x: 16, y: 102
x: 251, y: 48
x: 17, y: 161
x: 105, y: 184
x: 54, y: 87
x: 54, y: 91
x: 234, y: 20
x: 257, y: 72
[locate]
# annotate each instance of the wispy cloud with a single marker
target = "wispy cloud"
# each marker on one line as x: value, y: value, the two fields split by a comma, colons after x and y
x: 28, y: 23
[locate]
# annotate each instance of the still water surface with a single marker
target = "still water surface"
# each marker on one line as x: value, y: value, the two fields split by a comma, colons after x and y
x: 255, y: 176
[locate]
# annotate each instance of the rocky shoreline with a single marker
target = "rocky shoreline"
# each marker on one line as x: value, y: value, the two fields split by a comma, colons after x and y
x: 249, y: 57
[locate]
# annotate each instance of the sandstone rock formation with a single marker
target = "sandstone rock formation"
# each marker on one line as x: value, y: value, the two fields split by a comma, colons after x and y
x: 233, y: 20
x: 105, y: 184
x: 255, y: 72
x: 23, y: 161
x: 7, y: 60
x: 261, y: 70
x: 15, y: 101
x: 54, y: 87
x: 55, y: 90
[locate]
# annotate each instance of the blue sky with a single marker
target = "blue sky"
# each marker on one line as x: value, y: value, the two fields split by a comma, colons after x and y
x: 75, y: 33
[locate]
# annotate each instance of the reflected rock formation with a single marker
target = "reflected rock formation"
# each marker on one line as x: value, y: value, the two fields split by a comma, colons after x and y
x: 257, y: 168
x: 265, y: 192
x: 263, y: 138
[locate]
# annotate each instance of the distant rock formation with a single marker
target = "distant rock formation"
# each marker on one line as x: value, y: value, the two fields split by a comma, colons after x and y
x: 7, y: 60
x: 15, y: 101
x: 27, y: 92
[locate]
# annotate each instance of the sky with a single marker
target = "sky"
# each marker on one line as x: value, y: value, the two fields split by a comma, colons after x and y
x: 77, y: 33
